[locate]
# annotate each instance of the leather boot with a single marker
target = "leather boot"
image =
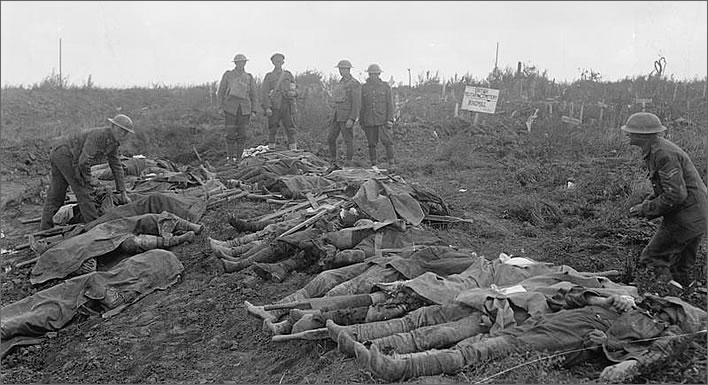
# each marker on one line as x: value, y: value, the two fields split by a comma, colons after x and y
x: 402, y: 367
x: 258, y: 311
x: 389, y: 154
x: 222, y: 251
x: 333, y: 151
x: 229, y: 150
x: 185, y: 225
x: 239, y: 152
x: 372, y: 156
x: 276, y: 272
x: 277, y: 328
x: 178, y: 240
x: 265, y: 254
x: 366, y: 331
x: 350, y: 151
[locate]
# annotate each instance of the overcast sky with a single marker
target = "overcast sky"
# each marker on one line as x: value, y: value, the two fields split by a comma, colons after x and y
x: 124, y: 44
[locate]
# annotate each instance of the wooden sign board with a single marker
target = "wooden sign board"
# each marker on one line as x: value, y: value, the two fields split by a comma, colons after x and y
x: 642, y: 101
x: 479, y: 99
x: 602, y: 105
x: 573, y: 121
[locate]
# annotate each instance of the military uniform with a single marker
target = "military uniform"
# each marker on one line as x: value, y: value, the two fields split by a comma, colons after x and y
x: 347, y: 102
x: 237, y: 98
x: 276, y: 85
x: 71, y: 159
x: 679, y: 197
x: 376, y: 111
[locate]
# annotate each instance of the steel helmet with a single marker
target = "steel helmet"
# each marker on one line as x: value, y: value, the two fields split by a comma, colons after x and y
x: 374, y: 69
x: 344, y: 64
x: 643, y: 123
x: 276, y: 56
x: 123, y: 122
x: 239, y: 57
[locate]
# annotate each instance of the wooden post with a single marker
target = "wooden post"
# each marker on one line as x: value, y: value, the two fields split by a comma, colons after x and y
x: 457, y: 110
x: 476, y: 118
x: 675, y: 90
x: 602, y: 111
x: 704, y: 89
x: 582, y: 108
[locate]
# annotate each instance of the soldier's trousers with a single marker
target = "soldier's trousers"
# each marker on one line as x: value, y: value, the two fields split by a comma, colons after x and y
x: 675, y: 246
x: 373, y: 134
x: 347, y: 134
x: 236, y: 132
x: 62, y: 175
x: 281, y: 115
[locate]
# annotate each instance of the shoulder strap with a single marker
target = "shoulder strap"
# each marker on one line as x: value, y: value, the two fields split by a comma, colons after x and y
x: 280, y: 79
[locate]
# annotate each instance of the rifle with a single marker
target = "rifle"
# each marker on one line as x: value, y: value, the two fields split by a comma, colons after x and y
x: 331, y: 303
x: 311, y: 335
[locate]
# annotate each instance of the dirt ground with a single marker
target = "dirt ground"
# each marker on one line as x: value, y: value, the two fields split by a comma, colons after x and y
x: 199, y: 332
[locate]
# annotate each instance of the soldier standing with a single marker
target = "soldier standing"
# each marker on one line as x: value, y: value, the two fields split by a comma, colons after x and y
x: 237, y: 98
x: 279, y: 93
x: 347, y: 99
x: 377, y: 114
x: 679, y: 196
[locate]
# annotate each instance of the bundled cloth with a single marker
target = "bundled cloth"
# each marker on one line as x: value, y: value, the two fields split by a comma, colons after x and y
x: 53, y: 308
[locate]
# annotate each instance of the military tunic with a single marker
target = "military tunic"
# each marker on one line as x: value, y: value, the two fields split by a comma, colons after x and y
x: 346, y: 96
x: 71, y: 159
x: 376, y: 111
x: 275, y: 96
x: 237, y: 98
x: 680, y: 197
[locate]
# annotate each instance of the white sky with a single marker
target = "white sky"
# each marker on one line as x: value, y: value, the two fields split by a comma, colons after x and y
x: 124, y: 44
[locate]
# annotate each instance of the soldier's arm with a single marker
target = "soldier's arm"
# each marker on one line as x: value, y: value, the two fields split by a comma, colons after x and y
x: 265, y: 91
x: 356, y: 102
x: 221, y: 93
x: 90, y: 152
x: 291, y: 85
x: 362, y: 108
x: 389, y: 104
x: 252, y: 92
x: 116, y: 168
x: 673, y: 187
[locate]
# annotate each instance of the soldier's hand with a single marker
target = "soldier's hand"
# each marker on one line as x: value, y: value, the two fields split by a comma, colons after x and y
x: 389, y: 124
x: 350, y: 123
x: 623, y: 303
x: 597, y: 337
x: 123, y: 198
x: 269, y: 112
x: 620, y: 372
x: 253, y: 115
x: 636, y: 211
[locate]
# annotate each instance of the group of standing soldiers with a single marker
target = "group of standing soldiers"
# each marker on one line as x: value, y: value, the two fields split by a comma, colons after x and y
x: 370, y: 104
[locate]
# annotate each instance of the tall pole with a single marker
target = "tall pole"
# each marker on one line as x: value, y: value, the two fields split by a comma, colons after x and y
x: 409, y: 77
x: 496, y: 57
x: 60, y: 78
